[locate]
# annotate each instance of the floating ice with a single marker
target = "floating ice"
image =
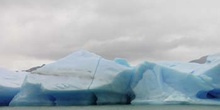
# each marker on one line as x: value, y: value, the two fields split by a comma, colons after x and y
x: 10, y: 84
x: 177, y: 82
x: 84, y: 78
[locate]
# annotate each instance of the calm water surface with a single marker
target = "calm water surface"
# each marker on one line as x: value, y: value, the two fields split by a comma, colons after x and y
x: 120, y: 107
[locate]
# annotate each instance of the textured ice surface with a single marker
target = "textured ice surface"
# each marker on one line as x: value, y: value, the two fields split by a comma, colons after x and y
x: 82, y: 78
x: 178, y: 82
x: 10, y: 84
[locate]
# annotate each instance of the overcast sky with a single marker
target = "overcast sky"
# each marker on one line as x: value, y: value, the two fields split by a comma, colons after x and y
x: 33, y: 32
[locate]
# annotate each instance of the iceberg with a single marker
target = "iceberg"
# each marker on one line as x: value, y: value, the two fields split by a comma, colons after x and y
x: 10, y: 84
x: 178, y: 82
x: 84, y: 78
x: 81, y: 78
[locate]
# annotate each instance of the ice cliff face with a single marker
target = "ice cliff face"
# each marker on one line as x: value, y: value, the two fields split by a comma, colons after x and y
x: 84, y: 78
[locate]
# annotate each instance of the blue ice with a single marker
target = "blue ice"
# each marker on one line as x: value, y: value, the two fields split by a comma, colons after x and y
x: 84, y: 78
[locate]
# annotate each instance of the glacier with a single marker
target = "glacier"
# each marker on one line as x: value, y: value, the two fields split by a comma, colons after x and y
x: 84, y: 78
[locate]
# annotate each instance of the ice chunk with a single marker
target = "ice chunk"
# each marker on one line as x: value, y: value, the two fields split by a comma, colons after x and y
x: 82, y: 78
x: 177, y: 82
x: 10, y: 84
x: 66, y: 80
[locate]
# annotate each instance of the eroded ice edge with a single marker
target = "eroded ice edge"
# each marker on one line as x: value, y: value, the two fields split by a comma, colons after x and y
x: 84, y: 78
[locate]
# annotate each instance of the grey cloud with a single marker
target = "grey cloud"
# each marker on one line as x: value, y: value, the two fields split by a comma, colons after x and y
x: 133, y: 29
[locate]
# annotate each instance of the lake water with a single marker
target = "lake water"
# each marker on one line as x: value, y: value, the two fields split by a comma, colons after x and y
x: 120, y: 107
